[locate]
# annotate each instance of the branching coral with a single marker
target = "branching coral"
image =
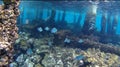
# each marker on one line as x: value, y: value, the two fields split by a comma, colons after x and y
x: 8, y: 30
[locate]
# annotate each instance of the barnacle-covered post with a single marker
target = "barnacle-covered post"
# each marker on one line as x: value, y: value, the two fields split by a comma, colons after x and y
x: 90, y: 19
x: 8, y: 30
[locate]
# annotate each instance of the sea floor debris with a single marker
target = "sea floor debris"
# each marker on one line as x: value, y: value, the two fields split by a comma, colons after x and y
x: 43, y: 55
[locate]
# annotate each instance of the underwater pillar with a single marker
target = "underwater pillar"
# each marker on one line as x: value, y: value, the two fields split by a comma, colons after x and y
x: 90, y: 19
x: 114, y: 25
x: 62, y: 23
x: 63, y: 15
x: 59, y: 15
x: 77, y: 26
x: 109, y: 25
x: 53, y: 13
x: 74, y: 20
x: 79, y: 19
x: 77, y: 23
x: 41, y: 14
x: 50, y: 22
x: 8, y: 30
x: 48, y: 12
x: 103, y: 23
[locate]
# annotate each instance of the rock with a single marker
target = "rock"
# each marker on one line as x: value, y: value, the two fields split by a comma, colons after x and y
x: 60, y: 63
x: 24, y: 45
x: 49, y: 61
x: 38, y: 65
x: 35, y: 58
x: 29, y: 51
x: 97, y: 66
x: 13, y: 64
x: 42, y: 48
x: 69, y: 64
x: 20, y: 58
x: 30, y: 40
x: 17, y: 41
x: 28, y: 63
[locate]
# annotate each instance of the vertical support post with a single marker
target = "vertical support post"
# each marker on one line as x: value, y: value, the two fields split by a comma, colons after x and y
x: 90, y: 19
x: 8, y: 30
x: 103, y: 23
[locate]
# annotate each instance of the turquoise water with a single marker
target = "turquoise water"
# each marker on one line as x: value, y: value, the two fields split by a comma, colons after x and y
x: 60, y: 34
x: 30, y: 10
x: 68, y: 34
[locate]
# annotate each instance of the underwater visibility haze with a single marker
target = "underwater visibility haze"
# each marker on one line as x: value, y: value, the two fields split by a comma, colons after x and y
x: 60, y: 33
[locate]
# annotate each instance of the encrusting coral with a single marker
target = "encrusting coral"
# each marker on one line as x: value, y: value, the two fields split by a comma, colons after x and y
x: 8, y: 30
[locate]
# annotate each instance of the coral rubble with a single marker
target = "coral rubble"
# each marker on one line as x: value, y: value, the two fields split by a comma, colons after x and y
x: 56, y: 56
x: 8, y: 30
x: 64, y: 49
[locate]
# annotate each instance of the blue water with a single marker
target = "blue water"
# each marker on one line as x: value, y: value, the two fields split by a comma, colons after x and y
x: 45, y: 37
x: 30, y: 11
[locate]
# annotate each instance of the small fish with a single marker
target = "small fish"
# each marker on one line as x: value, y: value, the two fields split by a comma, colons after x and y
x: 80, y: 57
x: 54, y: 30
x: 67, y: 40
x: 29, y: 51
x: 47, y: 28
x: 80, y: 41
x: 40, y: 29
x: 20, y: 58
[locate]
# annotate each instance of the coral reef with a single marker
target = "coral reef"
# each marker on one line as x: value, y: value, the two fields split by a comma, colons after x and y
x: 86, y: 42
x: 8, y: 30
x: 103, y: 47
x: 101, y: 59
x: 52, y: 44
x: 44, y: 55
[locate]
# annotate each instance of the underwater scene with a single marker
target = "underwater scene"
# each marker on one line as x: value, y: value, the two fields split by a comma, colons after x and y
x: 60, y: 33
